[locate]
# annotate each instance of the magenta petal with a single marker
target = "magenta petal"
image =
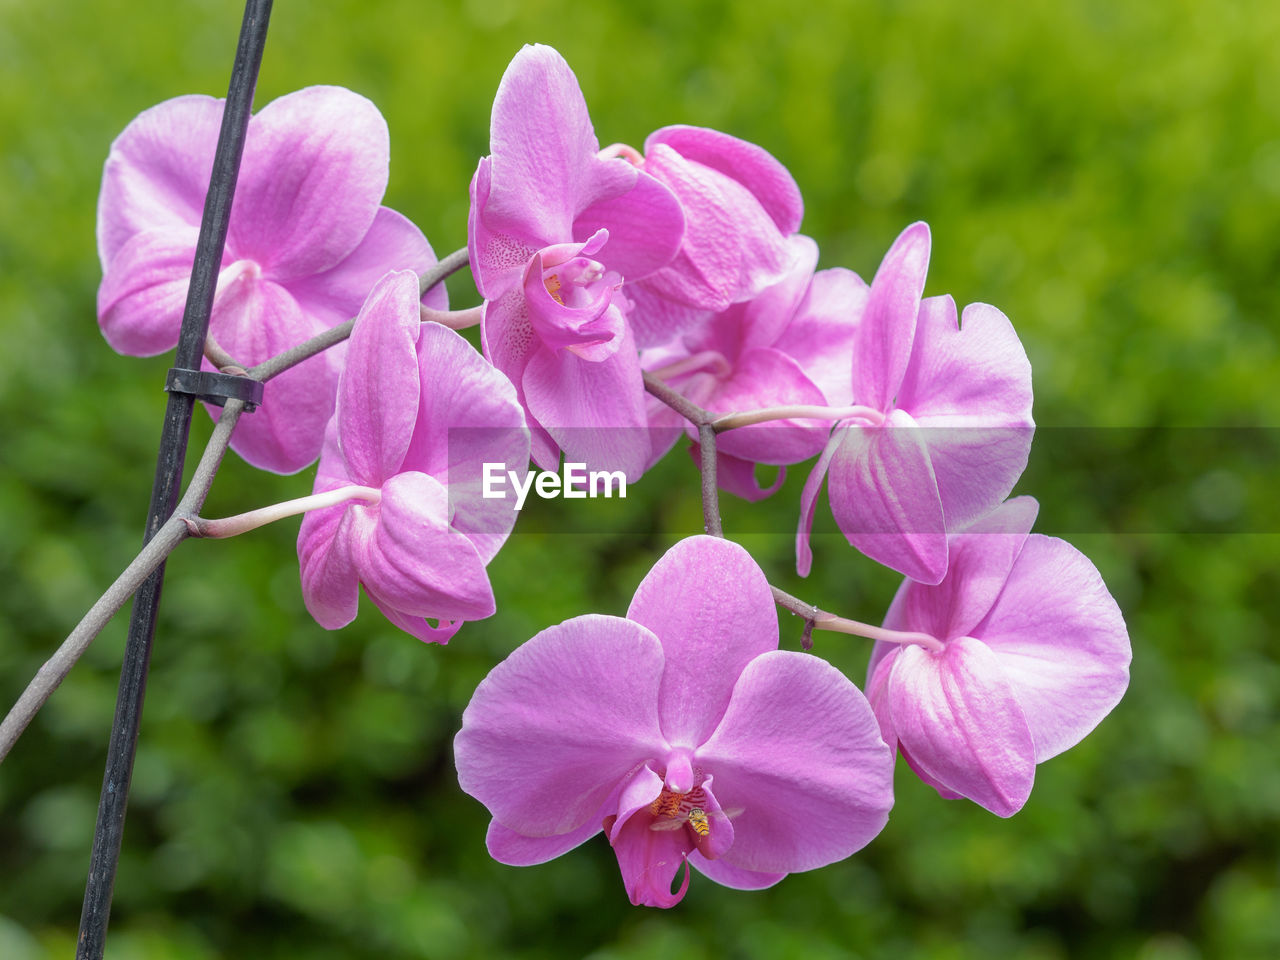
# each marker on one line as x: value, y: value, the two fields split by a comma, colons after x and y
x: 595, y: 411
x: 970, y: 389
x: 885, y: 498
x: 979, y: 562
x: 738, y: 477
x: 649, y: 861
x: 392, y: 243
x: 732, y: 250
x: 764, y: 377
x: 415, y: 563
x: 592, y: 330
x: 769, y: 313
x: 799, y: 751
x: 558, y: 724
x: 821, y: 332
x: 957, y: 717
x: 656, y: 320
x: 421, y: 627
x: 157, y: 172
x: 144, y: 291
x: 809, y: 503
x: 645, y: 227
x: 378, y: 390
x: 1060, y: 638
x: 311, y: 181
x: 882, y: 343
x: 755, y: 168
x: 516, y: 850
x: 467, y: 419
x: 710, y: 605
x: 727, y: 875
x: 254, y: 319
x: 330, y: 584
x: 544, y: 167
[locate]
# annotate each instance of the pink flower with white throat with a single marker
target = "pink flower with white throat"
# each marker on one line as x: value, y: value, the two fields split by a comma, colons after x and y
x: 307, y: 239
x: 1031, y: 653
x: 682, y: 732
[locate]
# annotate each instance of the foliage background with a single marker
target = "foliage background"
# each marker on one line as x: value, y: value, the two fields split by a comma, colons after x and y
x: 1108, y: 174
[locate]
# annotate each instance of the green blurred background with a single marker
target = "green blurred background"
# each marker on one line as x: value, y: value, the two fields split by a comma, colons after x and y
x: 1108, y: 174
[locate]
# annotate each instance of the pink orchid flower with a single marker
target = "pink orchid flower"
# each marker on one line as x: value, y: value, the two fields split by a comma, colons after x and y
x: 790, y: 344
x: 945, y: 429
x: 307, y: 240
x: 419, y: 413
x: 1032, y: 652
x: 682, y: 732
x: 741, y: 206
x: 555, y: 229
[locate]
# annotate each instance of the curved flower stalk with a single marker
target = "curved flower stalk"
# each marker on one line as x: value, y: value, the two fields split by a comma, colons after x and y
x: 741, y: 207
x: 682, y: 732
x: 1034, y: 653
x: 790, y: 344
x: 307, y: 240
x: 554, y: 230
x: 418, y: 414
x: 947, y: 425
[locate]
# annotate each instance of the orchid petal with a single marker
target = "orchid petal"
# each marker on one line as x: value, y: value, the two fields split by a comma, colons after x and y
x: 377, y: 403
x: 732, y: 249
x: 799, y: 750
x: 517, y: 850
x: 254, y: 319
x: 764, y: 377
x: 655, y: 320
x: 330, y: 583
x: 543, y: 166
x: 392, y: 243
x: 738, y: 476
x: 419, y: 627
x: 649, y: 861
x: 157, y: 172
x: 979, y: 562
x: 467, y: 419
x: 767, y: 180
x: 809, y: 502
x: 311, y: 181
x: 769, y: 312
x: 645, y: 224
x: 885, y: 498
x: 709, y: 603
x: 736, y: 878
x: 958, y: 718
x: 414, y: 563
x: 882, y: 341
x: 821, y: 332
x: 970, y: 388
x: 144, y: 291
x: 1059, y: 636
x: 557, y: 725
x: 595, y: 411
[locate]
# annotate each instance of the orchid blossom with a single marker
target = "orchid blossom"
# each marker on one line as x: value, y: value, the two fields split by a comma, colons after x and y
x: 307, y: 240
x: 741, y: 206
x: 944, y: 428
x: 555, y: 229
x: 418, y: 414
x: 682, y: 732
x: 790, y: 344
x: 1033, y: 654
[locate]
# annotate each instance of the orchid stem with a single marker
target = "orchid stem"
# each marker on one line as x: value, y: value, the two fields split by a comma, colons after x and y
x: 677, y: 401
x: 822, y: 620
x: 710, y: 492
x: 244, y: 522
x: 804, y: 411
x: 690, y: 364
x: 453, y: 319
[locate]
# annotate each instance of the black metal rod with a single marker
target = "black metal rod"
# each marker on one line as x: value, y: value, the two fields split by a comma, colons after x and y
x: 164, y: 493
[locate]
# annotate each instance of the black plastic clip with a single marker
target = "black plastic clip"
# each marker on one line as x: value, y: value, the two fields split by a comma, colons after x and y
x: 215, y: 388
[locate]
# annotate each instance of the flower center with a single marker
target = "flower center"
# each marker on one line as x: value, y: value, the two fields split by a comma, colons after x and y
x: 672, y: 810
